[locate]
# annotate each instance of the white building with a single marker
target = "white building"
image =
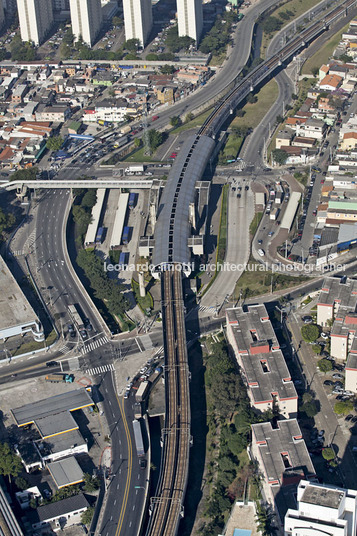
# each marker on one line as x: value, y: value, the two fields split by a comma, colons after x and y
x: 190, y: 18
x: 137, y: 19
x: 86, y: 17
x: 322, y: 510
x: 36, y: 18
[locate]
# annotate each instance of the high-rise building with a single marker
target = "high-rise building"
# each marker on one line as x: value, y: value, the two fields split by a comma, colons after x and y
x: 2, y: 14
x: 86, y: 17
x: 61, y: 5
x: 190, y: 18
x: 36, y: 18
x: 137, y: 19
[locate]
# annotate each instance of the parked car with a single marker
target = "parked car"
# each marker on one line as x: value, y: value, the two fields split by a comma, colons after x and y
x: 261, y: 252
x: 307, y: 319
x: 349, y: 417
x: 324, y: 335
x: 337, y: 376
x: 328, y: 382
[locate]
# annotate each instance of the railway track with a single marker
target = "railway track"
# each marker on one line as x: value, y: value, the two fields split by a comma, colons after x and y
x: 167, y: 506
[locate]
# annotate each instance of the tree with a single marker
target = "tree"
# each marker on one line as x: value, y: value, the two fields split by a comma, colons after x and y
x: 343, y: 407
x: 152, y: 57
x: 310, y: 409
x: 87, y: 516
x: 279, y: 119
x: 54, y: 143
x: 117, y: 21
x: 310, y: 332
x: 10, y: 463
x: 240, y: 113
x: 7, y: 220
x: 91, y: 483
x: 252, y: 98
x: 328, y: 454
x: 316, y: 349
x: 21, y: 483
x: 280, y: 156
x: 137, y: 142
x: 132, y: 45
x: 325, y: 365
x: 155, y: 139
x: 167, y: 69
x: 315, y: 71
x: 271, y: 24
x: 89, y: 198
x: 175, y: 121
x: 189, y: 117
x: 265, y: 520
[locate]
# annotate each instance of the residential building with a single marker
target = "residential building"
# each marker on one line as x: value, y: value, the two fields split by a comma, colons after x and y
x: 261, y: 361
x: 9, y: 525
x: 349, y: 141
x: 58, y: 113
x: 331, y: 82
x: 336, y: 292
x: 322, y: 509
x: 190, y: 18
x: 284, y: 461
x: 86, y: 17
x: 137, y: 20
x: 60, y: 513
x: 36, y: 18
x: 312, y: 128
x: 283, y: 138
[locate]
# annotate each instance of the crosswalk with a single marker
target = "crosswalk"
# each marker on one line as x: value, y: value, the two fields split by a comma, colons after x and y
x: 100, y: 370
x: 90, y: 346
x: 65, y: 349
x: 206, y: 308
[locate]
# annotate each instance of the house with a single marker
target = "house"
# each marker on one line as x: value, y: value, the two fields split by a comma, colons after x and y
x: 60, y: 513
x: 58, y: 113
x: 283, y: 137
x: 349, y: 141
x: 331, y: 82
x: 312, y: 128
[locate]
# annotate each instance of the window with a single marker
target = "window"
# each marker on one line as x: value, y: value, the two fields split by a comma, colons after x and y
x: 253, y: 334
x: 265, y: 366
x: 286, y: 460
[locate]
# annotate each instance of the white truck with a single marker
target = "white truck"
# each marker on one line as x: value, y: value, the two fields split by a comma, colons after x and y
x: 138, y: 169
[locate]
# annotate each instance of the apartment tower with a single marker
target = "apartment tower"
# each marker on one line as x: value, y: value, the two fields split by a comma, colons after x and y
x: 36, y: 18
x: 137, y: 19
x: 190, y: 18
x: 86, y: 17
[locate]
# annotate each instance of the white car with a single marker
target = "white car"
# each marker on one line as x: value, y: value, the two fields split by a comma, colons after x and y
x: 261, y: 252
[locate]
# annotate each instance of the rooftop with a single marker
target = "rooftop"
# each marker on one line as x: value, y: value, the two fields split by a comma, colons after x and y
x: 68, y: 401
x: 15, y: 309
x: 283, y: 451
x: 49, y: 426
x: 66, y: 472
x: 56, y: 509
x: 252, y: 326
x: 60, y: 443
x: 322, y: 496
x: 341, y: 290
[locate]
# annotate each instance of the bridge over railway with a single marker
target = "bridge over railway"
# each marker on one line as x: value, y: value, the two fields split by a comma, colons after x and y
x: 172, y: 259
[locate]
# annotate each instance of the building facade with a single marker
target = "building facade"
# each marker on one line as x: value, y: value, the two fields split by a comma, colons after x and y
x: 86, y: 18
x: 137, y: 20
x: 322, y: 509
x: 36, y: 19
x: 190, y: 18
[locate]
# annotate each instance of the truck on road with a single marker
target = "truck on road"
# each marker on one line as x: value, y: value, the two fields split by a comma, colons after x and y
x: 142, y: 391
x: 138, y: 168
x: 138, y: 438
x: 57, y: 378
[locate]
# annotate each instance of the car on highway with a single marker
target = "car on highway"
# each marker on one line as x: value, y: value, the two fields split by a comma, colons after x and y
x: 270, y: 233
x: 154, y: 118
x: 83, y: 333
x: 52, y: 363
x: 88, y: 325
x: 71, y: 330
x: 261, y: 252
x: 143, y: 463
x: 260, y: 242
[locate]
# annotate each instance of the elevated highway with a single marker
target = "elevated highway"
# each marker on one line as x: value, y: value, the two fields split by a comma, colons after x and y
x: 87, y: 183
x: 172, y: 254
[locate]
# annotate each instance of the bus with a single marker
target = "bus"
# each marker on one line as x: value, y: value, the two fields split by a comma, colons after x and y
x: 99, y: 237
x: 76, y: 317
x: 126, y: 235
x: 132, y: 200
x: 123, y: 260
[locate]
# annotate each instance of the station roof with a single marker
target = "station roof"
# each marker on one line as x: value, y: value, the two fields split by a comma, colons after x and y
x: 48, y: 426
x: 66, y: 472
x: 68, y: 401
x: 15, y: 309
x: 173, y: 228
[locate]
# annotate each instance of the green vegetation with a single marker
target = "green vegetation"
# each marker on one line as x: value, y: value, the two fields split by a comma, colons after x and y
x: 21, y: 483
x: 21, y: 51
x: 219, y: 36
x: 175, y: 121
x: 132, y: 45
x: 7, y: 221
x: 316, y: 349
x: 281, y: 16
x: 144, y: 303
x: 54, y: 143
x: 223, y: 224
x: 253, y: 113
x: 82, y: 211
x: 279, y: 156
x: 176, y: 43
x: 91, y: 483
x: 192, y: 122
x: 309, y: 405
x: 328, y: 454
x: 28, y: 174
x: 254, y: 224
x: 109, y: 291
x: 32, y: 346
x: 265, y: 518
x: 258, y: 280
x: 229, y: 417
x: 325, y: 365
x: 310, y: 332
x: 324, y: 53
x: 87, y: 516
x: 231, y: 148
x: 343, y: 407
x: 10, y: 463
